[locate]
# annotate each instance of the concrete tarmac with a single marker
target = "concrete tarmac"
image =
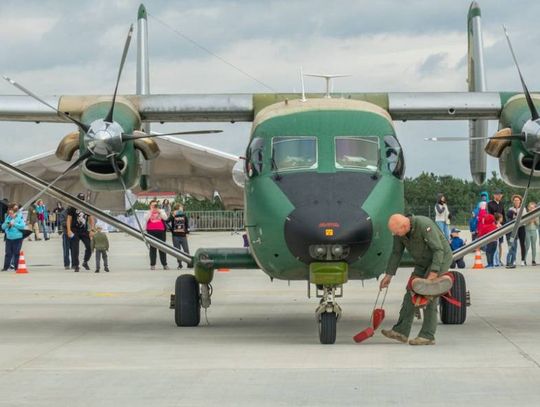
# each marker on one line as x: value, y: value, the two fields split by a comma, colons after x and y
x: 109, y: 339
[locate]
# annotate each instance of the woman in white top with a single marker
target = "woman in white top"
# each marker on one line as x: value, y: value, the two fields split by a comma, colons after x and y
x: 442, y: 215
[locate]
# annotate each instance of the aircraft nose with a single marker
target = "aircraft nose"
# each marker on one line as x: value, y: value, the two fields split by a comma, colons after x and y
x: 328, y: 232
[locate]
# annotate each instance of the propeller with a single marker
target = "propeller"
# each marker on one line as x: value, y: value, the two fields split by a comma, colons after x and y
x: 141, y: 134
x: 531, y: 133
x: 103, y: 138
x: 73, y: 165
x: 109, y: 117
x: 532, y: 107
x: 82, y: 126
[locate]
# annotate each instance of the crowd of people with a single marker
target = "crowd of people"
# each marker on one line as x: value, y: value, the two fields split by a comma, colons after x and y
x: 76, y: 227
x: 488, y: 215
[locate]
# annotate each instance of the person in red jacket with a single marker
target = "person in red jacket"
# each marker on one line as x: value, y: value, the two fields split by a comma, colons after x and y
x: 488, y: 225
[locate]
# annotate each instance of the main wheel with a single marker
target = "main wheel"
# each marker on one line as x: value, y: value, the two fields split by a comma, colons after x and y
x: 187, y: 304
x: 450, y: 314
x: 327, y: 328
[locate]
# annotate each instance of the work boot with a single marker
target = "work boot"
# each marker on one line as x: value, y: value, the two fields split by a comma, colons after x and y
x: 421, y: 341
x: 390, y: 333
x: 86, y: 266
x: 434, y: 287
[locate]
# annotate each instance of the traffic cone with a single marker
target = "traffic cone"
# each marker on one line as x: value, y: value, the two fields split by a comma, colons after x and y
x: 478, y: 260
x: 21, y: 268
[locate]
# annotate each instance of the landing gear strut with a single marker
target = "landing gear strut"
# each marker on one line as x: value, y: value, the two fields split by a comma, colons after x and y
x: 328, y: 312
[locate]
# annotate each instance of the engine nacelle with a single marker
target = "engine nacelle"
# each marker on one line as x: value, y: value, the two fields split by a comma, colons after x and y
x: 97, y: 172
x: 515, y: 161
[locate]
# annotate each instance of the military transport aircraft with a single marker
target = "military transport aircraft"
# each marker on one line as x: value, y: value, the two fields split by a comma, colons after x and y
x: 321, y: 175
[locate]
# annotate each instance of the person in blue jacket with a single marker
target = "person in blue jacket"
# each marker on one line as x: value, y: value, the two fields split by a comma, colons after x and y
x: 455, y: 243
x: 13, y: 226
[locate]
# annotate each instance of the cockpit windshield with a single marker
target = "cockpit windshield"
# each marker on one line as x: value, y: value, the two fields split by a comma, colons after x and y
x: 294, y: 153
x: 357, y: 152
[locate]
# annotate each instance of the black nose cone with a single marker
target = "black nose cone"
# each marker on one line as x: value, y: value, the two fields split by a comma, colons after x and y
x: 321, y: 232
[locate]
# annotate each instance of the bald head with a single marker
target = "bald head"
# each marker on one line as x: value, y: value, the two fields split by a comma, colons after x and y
x: 399, y: 225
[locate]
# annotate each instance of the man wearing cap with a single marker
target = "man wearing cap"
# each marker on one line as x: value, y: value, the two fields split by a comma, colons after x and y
x: 79, y: 225
x: 496, y: 206
x: 432, y: 257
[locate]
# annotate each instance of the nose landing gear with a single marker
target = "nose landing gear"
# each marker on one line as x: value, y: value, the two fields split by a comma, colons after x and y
x: 327, y: 314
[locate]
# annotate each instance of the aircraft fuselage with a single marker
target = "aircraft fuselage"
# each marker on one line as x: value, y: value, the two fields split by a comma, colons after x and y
x: 324, y: 175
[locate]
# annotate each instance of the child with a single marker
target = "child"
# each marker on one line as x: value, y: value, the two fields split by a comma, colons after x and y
x: 101, y: 244
x: 455, y: 243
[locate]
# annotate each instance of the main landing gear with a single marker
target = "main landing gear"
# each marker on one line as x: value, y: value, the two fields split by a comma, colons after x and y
x: 327, y: 313
x: 188, y: 298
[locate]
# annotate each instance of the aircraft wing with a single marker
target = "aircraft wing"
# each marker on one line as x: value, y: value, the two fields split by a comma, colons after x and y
x: 243, y: 107
x: 183, y: 166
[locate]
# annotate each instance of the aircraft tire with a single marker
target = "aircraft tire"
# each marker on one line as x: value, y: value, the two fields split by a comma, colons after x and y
x: 450, y: 314
x: 187, y: 305
x: 328, y: 328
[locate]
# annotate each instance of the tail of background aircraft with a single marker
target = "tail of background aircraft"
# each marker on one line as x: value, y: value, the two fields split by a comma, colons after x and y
x: 143, y: 85
x: 477, y: 83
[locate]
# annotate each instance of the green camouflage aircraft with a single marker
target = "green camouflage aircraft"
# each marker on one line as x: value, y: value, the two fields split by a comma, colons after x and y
x: 321, y: 175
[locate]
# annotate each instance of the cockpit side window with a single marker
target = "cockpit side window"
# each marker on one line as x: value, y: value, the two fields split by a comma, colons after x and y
x: 291, y: 153
x: 394, y: 156
x: 357, y: 152
x: 254, y: 157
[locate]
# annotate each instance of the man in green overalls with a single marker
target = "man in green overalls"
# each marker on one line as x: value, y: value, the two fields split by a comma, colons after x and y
x: 432, y: 256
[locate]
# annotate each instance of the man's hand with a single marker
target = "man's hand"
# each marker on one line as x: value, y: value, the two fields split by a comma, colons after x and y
x: 70, y: 234
x: 385, y: 282
x: 432, y: 275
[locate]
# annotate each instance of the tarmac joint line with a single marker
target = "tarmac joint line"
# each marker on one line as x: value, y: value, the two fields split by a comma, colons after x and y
x: 521, y: 351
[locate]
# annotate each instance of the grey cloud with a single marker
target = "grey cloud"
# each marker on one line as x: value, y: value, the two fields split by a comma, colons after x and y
x: 432, y: 64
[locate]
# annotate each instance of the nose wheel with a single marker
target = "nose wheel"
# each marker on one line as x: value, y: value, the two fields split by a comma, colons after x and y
x: 328, y: 312
x: 327, y: 328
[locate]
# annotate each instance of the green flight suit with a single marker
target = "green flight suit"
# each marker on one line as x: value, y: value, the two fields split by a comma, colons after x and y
x: 431, y: 252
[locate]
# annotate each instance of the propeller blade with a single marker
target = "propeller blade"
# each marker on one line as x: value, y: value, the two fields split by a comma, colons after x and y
x: 75, y: 164
x: 532, y: 107
x: 512, y: 137
x: 82, y: 126
x: 141, y: 134
x: 119, y: 176
x: 109, y: 117
x: 524, y: 201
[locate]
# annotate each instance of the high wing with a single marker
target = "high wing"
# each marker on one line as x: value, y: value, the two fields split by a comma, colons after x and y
x: 183, y: 166
x: 244, y: 107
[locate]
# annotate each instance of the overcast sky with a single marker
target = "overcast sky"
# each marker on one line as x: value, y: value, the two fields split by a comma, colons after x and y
x: 65, y: 47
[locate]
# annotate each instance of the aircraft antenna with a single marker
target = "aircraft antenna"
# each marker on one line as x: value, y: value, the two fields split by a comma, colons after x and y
x: 328, y: 78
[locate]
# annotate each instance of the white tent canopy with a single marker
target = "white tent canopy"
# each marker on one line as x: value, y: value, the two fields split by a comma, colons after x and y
x: 182, y: 167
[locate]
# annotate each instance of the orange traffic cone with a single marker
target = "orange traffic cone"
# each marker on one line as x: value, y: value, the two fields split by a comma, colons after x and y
x: 478, y: 260
x: 21, y: 268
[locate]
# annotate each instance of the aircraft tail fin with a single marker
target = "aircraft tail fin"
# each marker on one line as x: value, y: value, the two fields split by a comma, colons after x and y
x: 477, y: 83
x: 143, y: 85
